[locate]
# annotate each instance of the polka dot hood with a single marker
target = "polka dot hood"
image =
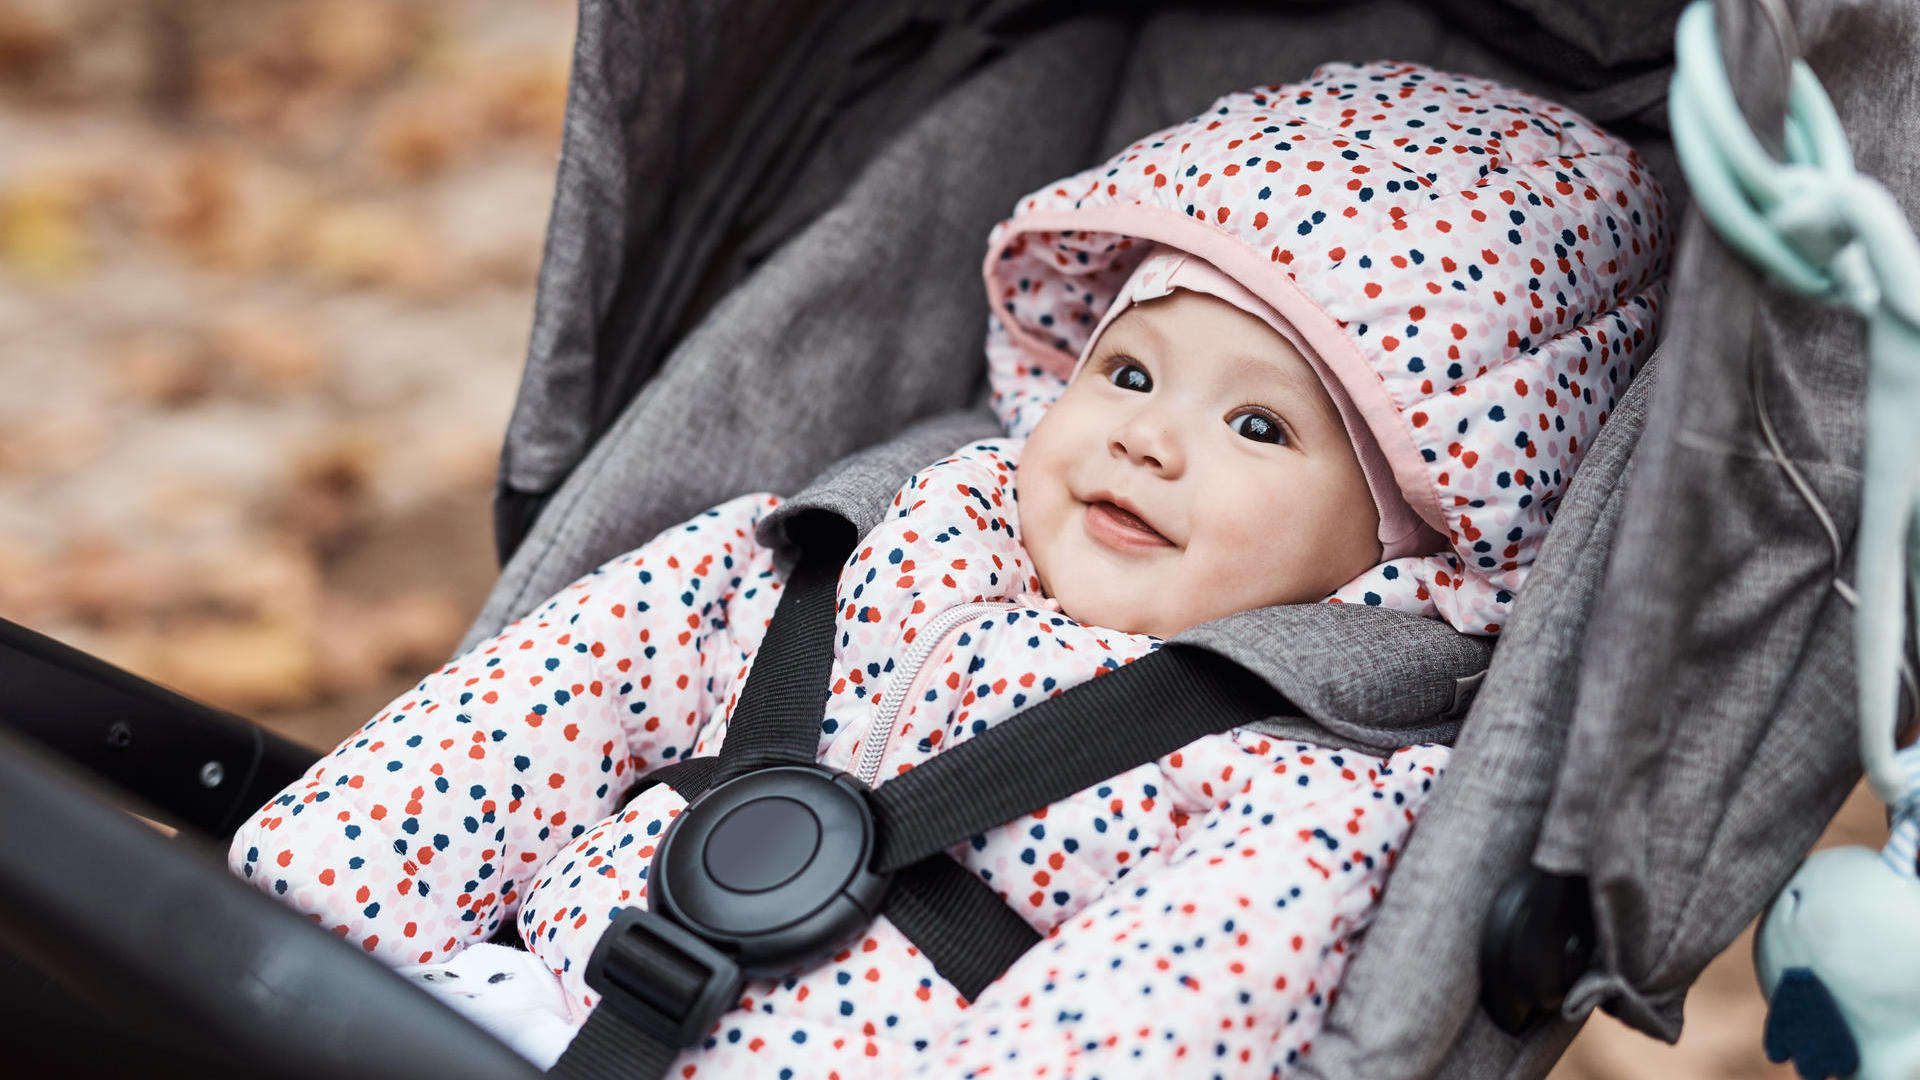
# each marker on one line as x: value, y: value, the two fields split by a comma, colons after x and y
x: 1480, y: 269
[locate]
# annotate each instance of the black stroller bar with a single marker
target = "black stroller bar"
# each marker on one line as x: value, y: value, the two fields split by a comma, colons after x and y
x: 190, y: 765
x: 182, y: 969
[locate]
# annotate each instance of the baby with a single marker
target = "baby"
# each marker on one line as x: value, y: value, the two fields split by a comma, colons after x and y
x: 1343, y: 340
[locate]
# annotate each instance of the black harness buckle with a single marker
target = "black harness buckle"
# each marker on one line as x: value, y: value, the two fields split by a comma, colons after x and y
x: 765, y: 875
x: 661, y: 977
x: 772, y: 868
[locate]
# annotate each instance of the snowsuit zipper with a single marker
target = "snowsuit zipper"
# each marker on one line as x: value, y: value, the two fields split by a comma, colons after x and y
x: 907, y: 682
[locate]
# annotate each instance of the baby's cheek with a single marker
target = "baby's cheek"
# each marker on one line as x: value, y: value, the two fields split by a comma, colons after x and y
x: 1264, y: 569
x: 1036, y: 529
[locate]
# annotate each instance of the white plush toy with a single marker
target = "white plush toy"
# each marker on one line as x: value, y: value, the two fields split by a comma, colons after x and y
x: 507, y: 992
x: 1839, y: 959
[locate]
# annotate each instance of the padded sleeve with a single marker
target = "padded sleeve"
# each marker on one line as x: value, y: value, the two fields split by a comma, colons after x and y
x: 419, y: 834
x: 1222, y: 963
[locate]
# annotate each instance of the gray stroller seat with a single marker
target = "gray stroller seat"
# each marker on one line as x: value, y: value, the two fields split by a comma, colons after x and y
x: 1665, y: 726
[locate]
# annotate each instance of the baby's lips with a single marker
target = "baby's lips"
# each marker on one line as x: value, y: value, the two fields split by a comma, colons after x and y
x: 1130, y: 518
x: 1119, y: 527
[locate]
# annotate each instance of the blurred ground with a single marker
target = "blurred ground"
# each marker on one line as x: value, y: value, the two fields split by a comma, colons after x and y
x: 266, y: 275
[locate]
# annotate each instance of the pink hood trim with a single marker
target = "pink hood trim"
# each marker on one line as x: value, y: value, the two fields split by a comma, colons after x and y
x: 1401, y: 530
x: 1479, y: 269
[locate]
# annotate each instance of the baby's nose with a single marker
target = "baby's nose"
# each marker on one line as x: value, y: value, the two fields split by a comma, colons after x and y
x: 1149, y: 442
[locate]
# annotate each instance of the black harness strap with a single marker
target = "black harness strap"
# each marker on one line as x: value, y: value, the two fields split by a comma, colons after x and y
x: 958, y: 922
x: 778, y: 719
x: 1067, y: 743
x: 661, y: 985
x: 610, y: 1046
x: 777, y: 722
x: 688, y: 777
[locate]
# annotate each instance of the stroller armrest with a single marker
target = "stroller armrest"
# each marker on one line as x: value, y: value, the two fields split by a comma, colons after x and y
x: 152, y: 934
x: 193, y: 766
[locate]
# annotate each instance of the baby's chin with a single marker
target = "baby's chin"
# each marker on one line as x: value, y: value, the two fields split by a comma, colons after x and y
x: 1089, y: 605
x: 1088, y: 596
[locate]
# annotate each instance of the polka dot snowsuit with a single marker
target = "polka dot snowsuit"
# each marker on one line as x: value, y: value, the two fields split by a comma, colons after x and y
x: 1198, y: 908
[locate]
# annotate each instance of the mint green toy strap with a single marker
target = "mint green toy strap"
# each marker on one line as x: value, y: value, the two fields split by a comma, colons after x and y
x: 1824, y: 230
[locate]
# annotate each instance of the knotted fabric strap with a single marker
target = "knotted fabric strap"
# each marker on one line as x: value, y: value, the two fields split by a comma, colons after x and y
x: 1824, y: 230
x: 1902, y: 853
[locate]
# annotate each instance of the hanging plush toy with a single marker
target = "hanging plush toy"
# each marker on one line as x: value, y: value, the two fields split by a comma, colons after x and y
x: 1839, y: 959
x: 1839, y: 952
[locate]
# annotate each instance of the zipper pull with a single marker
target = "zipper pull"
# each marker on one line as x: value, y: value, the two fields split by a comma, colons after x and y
x: 1035, y: 600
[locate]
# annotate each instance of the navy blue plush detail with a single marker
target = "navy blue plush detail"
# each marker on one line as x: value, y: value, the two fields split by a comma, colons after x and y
x: 1804, y: 1023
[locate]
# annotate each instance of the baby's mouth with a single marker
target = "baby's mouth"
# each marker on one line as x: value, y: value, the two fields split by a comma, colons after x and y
x: 1116, y: 527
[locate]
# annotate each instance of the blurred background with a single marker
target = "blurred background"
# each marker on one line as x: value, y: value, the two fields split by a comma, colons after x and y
x: 266, y: 277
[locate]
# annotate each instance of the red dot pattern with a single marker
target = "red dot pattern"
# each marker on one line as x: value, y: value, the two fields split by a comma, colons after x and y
x: 1198, y: 908
x: 1495, y: 261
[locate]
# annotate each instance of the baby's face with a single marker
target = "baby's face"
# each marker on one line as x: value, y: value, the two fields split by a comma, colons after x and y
x: 1195, y: 467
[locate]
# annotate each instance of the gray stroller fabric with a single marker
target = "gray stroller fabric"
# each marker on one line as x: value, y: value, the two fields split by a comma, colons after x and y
x: 675, y: 126
x: 1668, y: 711
x: 1715, y: 729
x: 1685, y: 749
x: 821, y: 353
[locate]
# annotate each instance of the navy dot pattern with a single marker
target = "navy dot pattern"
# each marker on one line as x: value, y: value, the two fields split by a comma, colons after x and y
x: 1482, y: 269
x: 1198, y: 910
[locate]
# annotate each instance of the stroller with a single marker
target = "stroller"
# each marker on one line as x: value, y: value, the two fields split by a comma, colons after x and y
x: 1638, y: 766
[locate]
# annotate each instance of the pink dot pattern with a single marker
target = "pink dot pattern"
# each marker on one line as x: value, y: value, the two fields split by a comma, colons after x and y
x: 1482, y: 268
x: 1197, y: 910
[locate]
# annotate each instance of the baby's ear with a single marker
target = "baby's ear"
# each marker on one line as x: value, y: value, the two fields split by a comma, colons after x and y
x: 1804, y: 1024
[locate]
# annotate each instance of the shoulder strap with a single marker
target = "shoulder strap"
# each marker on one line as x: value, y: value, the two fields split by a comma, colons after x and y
x: 778, y: 719
x: 1067, y: 743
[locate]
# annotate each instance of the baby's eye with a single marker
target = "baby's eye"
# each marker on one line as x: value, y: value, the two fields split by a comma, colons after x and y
x: 1258, y: 427
x: 1130, y: 376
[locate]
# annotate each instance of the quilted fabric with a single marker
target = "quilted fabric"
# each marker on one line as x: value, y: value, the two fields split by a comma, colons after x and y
x: 1480, y: 268
x: 1199, y: 907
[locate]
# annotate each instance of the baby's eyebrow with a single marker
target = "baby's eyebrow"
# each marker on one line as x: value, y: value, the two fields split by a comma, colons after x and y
x: 1298, y: 381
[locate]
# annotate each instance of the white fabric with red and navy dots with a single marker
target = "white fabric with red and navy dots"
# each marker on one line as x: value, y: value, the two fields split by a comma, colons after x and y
x: 1198, y: 909
x: 1481, y: 268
